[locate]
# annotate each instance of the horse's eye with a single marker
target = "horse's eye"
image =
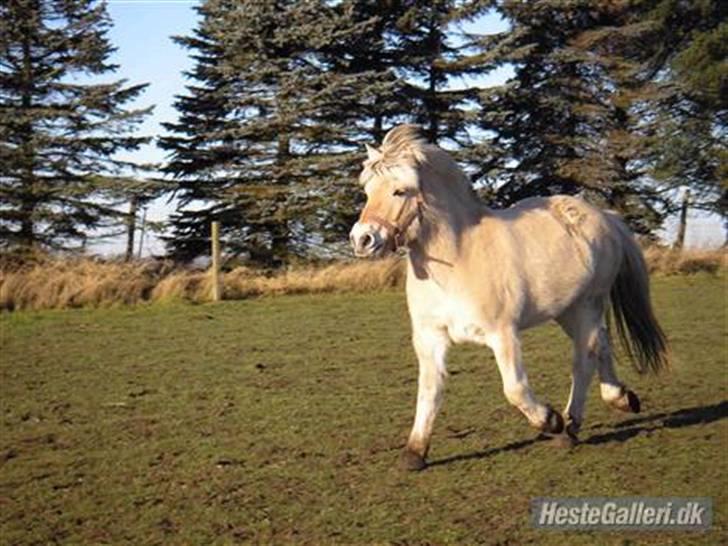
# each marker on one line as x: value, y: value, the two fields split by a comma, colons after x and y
x: 399, y: 193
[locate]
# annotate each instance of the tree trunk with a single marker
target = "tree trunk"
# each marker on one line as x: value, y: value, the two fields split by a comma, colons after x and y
x: 377, y: 130
x: 279, y: 234
x: 141, y: 233
x: 682, y: 227
x: 433, y: 114
x: 27, y: 207
x: 131, y: 227
x: 27, y: 226
x: 284, y: 148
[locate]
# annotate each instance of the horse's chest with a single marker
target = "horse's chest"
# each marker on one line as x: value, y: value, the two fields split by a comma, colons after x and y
x: 460, y: 318
x: 465, y: 326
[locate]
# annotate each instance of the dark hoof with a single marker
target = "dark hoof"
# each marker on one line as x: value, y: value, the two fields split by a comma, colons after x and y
x: 412, y: 461
x: 554, y: 422
x: 634, y: 402
x: 629, y: 402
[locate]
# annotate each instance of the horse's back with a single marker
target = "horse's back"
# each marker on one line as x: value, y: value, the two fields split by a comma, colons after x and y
x: 561, y: 217
x: 566, y: 249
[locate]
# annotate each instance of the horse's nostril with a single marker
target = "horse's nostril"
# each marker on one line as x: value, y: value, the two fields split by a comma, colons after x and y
x: 368, y: 240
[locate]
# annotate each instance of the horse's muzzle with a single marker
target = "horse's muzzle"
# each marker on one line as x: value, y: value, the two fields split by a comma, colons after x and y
x: 366, y: 240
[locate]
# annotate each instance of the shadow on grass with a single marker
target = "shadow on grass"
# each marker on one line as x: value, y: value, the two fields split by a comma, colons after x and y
x: 513, y: 446
x: 630, y: 428
x: 625, y: 430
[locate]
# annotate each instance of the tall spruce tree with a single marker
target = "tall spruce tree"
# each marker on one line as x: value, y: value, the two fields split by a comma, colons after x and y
x: 363, y: 98
x: 439, y: 62
x: 286, y: 94
x: 666, y: 60
x: 595, y: 107
x: 682, y: 79
x: 253, y: 139
x: 552, y: 123
x: 59, y: 130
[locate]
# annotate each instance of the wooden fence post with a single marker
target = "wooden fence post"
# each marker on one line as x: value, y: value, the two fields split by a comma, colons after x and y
x: 141, y: 232
x: 131, y: 227
x: 682, y: 226
x: 216, y: 285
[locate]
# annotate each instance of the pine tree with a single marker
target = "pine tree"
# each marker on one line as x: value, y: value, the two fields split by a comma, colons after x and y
x: 432, y: 55
x: 360, y: 97
x: 59, y: 181
x: 557, y: 126
x: 595, y: 107
x: 268, y: 138
x: 271, y: 135
x: 666, y: 60
x: 685, y: 83
x: 242, y: 153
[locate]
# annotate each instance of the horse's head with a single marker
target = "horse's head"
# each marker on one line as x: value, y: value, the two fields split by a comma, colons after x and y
x: 392, y: 215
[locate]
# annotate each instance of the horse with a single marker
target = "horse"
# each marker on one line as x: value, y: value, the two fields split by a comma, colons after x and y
x: 480, y: 275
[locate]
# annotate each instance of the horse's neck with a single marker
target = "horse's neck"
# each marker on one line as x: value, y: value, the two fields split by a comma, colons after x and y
x: 440, y: 246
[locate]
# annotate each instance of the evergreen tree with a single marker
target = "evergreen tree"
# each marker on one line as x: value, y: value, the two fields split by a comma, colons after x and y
x: 364, y: 97
x: 596, y: 107
x: 666, y: 60
x: 247, y: 146
x: 556, y: 128
x: 267, y: 140
x: 59, y: 181
x: 434, y: 56
x: 271, y: 135
x: 682, y: 76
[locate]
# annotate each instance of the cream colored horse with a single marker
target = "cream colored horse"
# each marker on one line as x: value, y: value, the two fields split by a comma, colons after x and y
x: 480, y: 275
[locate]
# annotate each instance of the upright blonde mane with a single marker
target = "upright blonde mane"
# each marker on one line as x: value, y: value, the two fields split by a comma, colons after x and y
x: 406, y: 145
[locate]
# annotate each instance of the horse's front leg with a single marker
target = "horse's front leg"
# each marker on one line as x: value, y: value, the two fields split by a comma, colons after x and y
x: 431, y: 346
x: 507, y: 349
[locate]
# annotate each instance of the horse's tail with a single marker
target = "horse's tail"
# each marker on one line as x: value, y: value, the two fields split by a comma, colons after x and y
x: 637, y: 328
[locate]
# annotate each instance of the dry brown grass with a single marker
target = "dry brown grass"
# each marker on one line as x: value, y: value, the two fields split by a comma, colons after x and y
x: 667, y: 261
x: 244, y: 282
x: 78, y: 282
x: 44, y: 283
x: 56, y: 283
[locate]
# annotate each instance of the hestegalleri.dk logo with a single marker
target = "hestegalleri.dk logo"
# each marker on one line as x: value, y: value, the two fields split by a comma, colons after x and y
x: 649, y: 513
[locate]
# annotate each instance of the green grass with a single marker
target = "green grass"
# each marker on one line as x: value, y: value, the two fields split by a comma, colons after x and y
x: 281, y: 420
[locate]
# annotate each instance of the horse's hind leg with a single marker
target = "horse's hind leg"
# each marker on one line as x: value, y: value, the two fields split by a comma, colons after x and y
x: 613, y: 391
x: 507, y: 349
x: 584, y: 325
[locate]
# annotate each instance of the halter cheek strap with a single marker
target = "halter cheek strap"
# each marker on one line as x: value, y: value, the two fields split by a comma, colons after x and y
x: 396, y: 228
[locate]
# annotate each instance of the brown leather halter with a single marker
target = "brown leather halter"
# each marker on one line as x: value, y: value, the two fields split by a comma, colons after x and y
x: 395, y: 227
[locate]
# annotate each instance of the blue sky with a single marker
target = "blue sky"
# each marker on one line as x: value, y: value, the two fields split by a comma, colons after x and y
x: 142, y: 31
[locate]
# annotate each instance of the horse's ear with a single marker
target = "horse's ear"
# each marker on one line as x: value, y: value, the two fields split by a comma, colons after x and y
x: 372, y: 153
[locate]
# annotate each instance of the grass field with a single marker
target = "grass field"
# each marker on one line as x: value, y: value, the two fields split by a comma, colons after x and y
x: 281, y: 420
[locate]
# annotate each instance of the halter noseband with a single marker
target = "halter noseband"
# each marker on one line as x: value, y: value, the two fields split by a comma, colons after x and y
x: 397, y: 229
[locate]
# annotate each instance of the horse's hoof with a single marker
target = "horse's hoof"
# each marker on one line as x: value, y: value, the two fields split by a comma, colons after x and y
x: 633, y: 401
x: 554, y: 423
x: 629, y: 402
x: 412, y: 461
